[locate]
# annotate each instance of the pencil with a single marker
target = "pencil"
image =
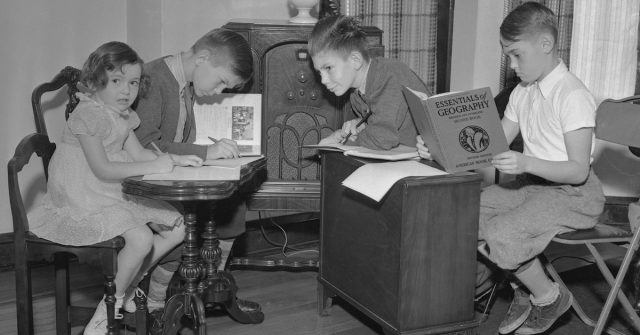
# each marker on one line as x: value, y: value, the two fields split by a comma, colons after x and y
x: 213, y: 139
x: 155, y: 147
x: 364, y: 119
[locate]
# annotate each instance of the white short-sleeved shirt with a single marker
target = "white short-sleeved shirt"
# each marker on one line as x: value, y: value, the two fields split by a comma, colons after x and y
x: 548, y: 109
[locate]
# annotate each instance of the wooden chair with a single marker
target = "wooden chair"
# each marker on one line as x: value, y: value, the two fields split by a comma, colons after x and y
x: 67, y: 316
x: 69, y: 77
x: 613, y: 228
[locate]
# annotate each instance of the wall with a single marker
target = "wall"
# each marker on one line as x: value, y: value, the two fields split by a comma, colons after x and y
x: 476, y: 51
x: 168, y: 26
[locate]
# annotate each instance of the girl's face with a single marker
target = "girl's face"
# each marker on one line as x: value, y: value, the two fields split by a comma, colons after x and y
x: 526, y: 57
x: 122, y: 87
x: 210, y: 79
x: 338, y: 73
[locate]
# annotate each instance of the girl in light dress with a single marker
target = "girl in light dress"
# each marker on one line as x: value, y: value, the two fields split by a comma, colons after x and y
x: 84, y: 203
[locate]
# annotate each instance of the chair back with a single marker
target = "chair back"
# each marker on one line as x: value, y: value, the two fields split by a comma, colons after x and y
x: 69, y: 77
x: 618, y: 121
x: 40, y: 145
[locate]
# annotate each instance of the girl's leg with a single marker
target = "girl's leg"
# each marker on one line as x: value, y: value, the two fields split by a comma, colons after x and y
x: 164, y: 241
x: 138, y: 244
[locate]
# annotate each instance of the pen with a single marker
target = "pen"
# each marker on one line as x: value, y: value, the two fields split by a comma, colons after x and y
x: 364, y: 119
x: 213, y: 139
x: 157, y: 150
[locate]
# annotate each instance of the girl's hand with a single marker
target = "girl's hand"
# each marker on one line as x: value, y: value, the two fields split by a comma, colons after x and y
x: 423, y: 151
x: 186, y: 160
x: 511, y: 162
x: 163, y: 164
x: 224, y: 148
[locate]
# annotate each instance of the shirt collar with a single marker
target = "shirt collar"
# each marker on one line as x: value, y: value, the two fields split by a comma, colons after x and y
x: 550, y: 81
x: 174, y: 63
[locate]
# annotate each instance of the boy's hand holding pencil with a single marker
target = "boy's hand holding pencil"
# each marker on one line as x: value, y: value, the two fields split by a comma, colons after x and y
x: 222, y: 148
x: 352, y: 127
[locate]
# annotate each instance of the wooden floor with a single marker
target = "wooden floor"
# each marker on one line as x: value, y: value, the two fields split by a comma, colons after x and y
x: 288, y: 300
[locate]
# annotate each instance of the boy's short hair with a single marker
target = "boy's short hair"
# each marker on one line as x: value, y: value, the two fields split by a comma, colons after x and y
x: 338, y: 33
x: 110, y: 56
x: 234, y: 45
x: 528, y: 19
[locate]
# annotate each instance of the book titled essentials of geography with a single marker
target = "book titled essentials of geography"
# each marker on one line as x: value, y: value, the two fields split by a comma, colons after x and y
x: 461, y: 129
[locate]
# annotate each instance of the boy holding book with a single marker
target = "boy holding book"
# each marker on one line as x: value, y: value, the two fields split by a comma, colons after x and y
x: 555, y: 190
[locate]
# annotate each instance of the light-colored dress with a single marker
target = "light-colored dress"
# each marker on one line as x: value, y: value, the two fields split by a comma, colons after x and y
x: 81, y: 209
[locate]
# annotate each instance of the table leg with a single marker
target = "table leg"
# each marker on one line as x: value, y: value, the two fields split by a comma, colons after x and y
x: 219, y: 287
x: 188, y: 302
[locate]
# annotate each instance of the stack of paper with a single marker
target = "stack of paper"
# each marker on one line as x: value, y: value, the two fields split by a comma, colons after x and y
x: 218, y: 169
x: 197, y: 173
x: 375, y: 180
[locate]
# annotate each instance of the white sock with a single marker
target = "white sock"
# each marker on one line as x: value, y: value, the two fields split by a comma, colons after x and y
x: 547, y: 299
x: 119, y: 301
x: 225, y: 249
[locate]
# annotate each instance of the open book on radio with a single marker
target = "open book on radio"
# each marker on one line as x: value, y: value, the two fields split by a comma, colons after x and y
x: 461, y: 129
x: 401, y: 152
x: 236, y: 116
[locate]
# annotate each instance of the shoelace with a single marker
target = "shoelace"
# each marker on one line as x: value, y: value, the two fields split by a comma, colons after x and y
x: 138, y: 293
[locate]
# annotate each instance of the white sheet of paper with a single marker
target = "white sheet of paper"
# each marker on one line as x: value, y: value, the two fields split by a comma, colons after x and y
x: 374, y: 180
x: 234, y: 162
x: 197, y: 173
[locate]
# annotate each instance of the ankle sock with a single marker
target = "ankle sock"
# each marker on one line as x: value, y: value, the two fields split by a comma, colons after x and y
x: 119, y: 301
x: 547, y: 299
x: 225, y: 250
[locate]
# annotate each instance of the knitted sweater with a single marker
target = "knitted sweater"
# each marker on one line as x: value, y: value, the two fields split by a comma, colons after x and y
x: 159, y: 111
x: 390, y: 123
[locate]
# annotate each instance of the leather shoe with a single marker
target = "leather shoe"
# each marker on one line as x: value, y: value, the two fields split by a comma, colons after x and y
x: 248, y: 306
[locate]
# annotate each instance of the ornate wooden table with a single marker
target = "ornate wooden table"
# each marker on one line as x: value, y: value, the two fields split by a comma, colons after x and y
x: 204, y: 285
